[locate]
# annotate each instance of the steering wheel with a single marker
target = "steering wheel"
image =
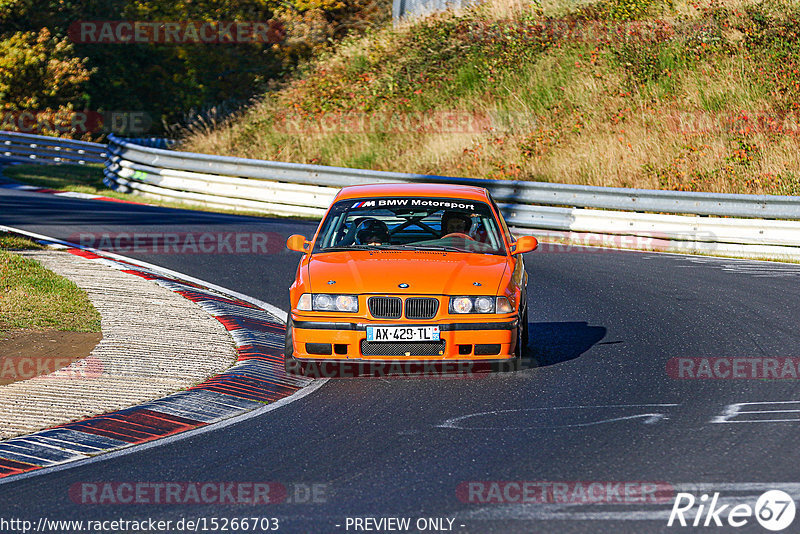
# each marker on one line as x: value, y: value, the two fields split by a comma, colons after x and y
x: 459, y: 234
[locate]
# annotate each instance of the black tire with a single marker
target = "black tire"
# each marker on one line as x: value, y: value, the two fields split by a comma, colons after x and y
x: 290, y: 363
x: 521, y: 350
x: 526, y: 338
x: 515, y: 363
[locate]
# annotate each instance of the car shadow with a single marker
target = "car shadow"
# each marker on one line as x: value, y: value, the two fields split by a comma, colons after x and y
x: 555, y: 342
x: 549, y: 344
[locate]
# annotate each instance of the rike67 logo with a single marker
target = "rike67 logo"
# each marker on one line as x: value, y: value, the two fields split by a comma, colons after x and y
x: 774, y: 510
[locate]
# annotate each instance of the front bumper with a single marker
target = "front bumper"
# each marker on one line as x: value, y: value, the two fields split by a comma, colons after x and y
x: 337, y: 340
x: 330, y: 368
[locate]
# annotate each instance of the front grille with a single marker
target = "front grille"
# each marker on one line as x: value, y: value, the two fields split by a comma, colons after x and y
x: 421, y: 308
x: 385, y: 307
x: 435, y: 348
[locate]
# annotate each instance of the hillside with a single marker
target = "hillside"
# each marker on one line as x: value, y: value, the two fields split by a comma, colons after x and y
x: 698, y: 96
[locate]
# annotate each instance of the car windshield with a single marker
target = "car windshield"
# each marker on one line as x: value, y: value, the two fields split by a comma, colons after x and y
x: 410, y: 224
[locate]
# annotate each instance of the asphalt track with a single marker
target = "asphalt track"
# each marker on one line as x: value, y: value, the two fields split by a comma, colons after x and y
x: 594, y: 403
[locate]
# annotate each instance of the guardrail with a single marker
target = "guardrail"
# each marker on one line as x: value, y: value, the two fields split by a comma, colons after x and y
x: 29, y: 148
x: 514, y: 192
x: 756, y: 225
x: 743, y: 221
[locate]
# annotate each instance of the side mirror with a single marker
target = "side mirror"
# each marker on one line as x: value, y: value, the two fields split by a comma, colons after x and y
x: 525, y: 244
x: 298, y: 243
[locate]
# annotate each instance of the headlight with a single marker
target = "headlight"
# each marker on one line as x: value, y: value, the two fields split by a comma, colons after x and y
x: 484, y: 305
x: 346, y: 303
x: 325, y: 302
x: 460, y: 304
x: 480, y: 304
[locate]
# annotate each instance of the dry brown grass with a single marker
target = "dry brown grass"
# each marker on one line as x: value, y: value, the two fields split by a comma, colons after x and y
x: 580, y: 118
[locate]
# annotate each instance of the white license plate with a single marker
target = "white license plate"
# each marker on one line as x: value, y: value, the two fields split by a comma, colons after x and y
x: 402, y: 333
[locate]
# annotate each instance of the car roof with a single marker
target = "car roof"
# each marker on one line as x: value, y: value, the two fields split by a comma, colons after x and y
x: 465, y: 192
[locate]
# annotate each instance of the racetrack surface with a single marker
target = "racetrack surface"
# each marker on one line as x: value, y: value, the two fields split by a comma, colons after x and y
x: 595, y: 402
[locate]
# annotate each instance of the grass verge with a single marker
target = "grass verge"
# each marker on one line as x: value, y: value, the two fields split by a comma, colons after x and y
x: 32, y: 297
x: 77, y: 178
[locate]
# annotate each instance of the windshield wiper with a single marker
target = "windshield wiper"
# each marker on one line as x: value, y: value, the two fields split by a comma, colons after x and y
x: 429, y: 247
x: 354, y: 247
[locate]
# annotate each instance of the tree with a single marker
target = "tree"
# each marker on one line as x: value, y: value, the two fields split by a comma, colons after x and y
x: 39, y: 71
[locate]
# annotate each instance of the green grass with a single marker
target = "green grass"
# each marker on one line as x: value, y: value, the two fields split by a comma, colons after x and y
x: 468, y: 79
x: 32, y: 297
x: 14, y: 242
x: 542, y: 86
x: 78, y: 178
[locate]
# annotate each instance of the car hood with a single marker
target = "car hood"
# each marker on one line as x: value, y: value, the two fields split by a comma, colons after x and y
x: 428, y: 273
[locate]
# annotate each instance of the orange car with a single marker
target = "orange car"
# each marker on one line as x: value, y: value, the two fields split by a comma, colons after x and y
x: 411, y: 273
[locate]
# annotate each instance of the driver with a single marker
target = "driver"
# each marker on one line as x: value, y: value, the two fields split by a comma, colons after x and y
x: 454, y: 222
x: 372, y: 232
